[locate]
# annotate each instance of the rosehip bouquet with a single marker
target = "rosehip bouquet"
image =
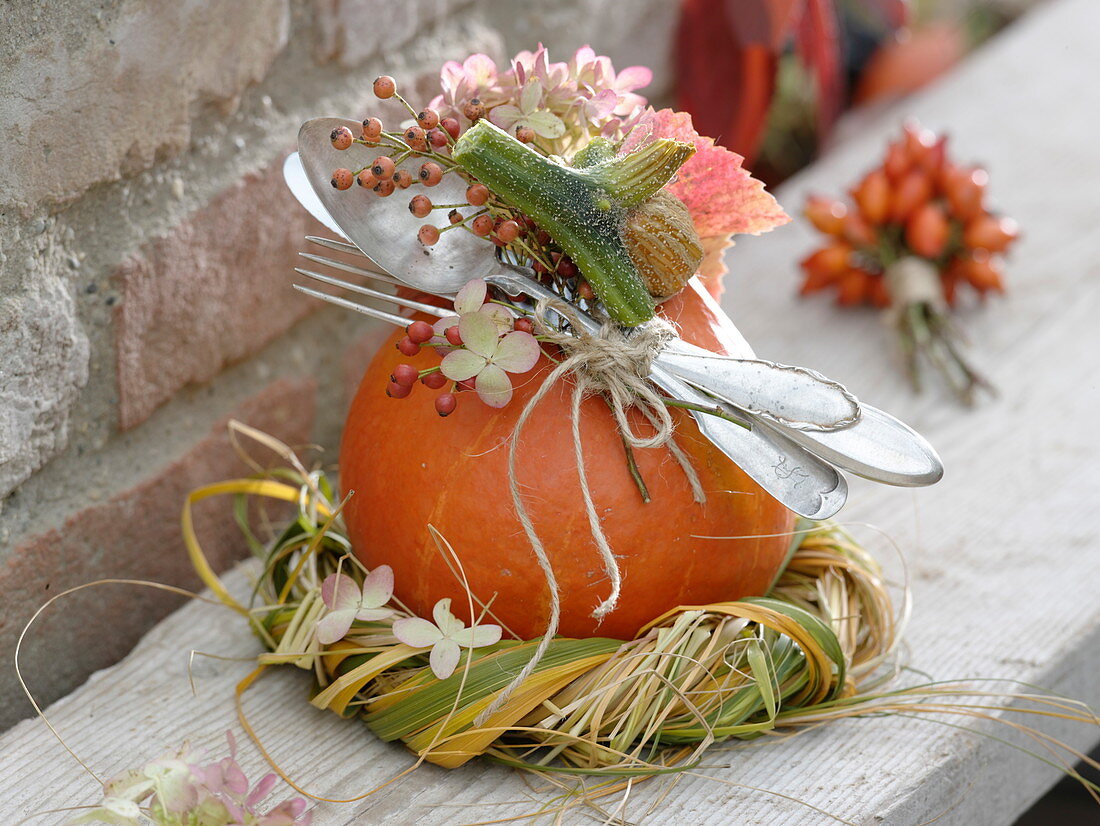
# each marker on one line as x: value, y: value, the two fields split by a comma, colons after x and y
x: 917, y: 231
x: 612, y: 204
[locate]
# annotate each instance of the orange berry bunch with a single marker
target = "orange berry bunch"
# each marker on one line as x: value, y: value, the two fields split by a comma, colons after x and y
x: 917, y: 203
x: 917, y: 228
x: 425, y: 145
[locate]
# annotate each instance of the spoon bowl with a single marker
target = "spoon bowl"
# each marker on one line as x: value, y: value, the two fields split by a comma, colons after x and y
x: 383, y: 228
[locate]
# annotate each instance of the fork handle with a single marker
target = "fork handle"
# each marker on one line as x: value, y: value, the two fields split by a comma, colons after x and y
x: 793, y: 397
x: 799, y: 480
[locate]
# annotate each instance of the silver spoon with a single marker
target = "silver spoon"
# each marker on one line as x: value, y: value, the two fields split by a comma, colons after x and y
x: 382, y: 227
x: 877, y: 446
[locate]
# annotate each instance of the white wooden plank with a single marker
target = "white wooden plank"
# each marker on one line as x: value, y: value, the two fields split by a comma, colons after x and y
x: 1003, y: 554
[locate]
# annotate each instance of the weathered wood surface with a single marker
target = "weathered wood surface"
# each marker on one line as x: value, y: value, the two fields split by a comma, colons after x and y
x: 1003, y: 555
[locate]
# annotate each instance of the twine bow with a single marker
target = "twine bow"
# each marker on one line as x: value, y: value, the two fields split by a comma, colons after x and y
x: 616, y: 364
x: 913, y: 280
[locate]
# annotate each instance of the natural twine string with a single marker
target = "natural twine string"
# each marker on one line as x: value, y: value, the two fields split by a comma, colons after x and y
x: 615, y: 364
x: 913, y: 280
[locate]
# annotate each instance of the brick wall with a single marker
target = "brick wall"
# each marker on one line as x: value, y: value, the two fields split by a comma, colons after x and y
x: 146, y: 243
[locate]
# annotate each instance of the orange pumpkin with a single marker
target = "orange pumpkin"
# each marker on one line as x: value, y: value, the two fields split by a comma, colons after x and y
x: 409, y: 468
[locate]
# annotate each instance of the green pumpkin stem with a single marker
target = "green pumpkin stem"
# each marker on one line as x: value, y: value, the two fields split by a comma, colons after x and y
x: 584, y: 208
x: 637, y: 176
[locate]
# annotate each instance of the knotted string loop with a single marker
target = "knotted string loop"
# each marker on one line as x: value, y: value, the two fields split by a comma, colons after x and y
x: 613, y: 362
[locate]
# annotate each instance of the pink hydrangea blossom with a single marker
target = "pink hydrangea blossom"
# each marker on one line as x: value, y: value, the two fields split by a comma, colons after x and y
x: 177, y: 789
x: 491, y: 348
x: 347, y: 602
x: 475, y: 77
x: 530, y: 111
x: 564, y: 103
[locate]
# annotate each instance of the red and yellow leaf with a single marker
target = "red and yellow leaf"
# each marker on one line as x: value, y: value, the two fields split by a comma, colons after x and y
x: 720, y: 194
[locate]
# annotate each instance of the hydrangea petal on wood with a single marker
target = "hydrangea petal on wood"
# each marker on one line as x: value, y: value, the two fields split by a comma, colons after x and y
x: 178, y: 789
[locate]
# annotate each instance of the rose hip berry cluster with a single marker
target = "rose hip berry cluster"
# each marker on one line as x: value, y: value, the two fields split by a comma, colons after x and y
x: 428, y: 139
x: 917, y: 203
x: 405, y: 376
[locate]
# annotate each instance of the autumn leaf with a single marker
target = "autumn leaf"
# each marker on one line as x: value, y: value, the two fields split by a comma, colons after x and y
x: 721, y: 195
x: 713, y: 267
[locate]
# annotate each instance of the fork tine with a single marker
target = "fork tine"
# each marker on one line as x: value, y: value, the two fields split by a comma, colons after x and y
x: 333, y: 244
x: 419, y: 306
x: 351, y: 249
x: 340, y: 265
x: 381, y: 315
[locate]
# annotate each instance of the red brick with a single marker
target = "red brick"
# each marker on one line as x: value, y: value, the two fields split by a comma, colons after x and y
x: 133, y: 535
x: 213, y: 291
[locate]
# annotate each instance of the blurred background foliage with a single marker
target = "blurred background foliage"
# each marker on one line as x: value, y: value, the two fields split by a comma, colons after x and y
x: 769, y: 78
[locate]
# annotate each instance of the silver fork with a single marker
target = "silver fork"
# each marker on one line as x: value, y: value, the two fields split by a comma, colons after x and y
x: 796, y: 477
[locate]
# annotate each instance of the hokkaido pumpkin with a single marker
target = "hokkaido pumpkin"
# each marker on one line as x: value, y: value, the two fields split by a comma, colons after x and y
x: 409, y: 469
